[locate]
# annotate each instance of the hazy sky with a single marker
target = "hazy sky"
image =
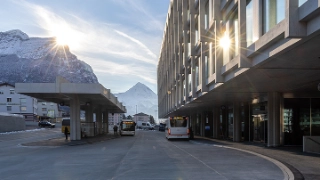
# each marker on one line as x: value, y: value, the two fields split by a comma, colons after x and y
x: 119, y: 39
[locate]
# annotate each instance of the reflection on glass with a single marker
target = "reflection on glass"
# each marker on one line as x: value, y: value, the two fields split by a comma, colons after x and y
x: 273, y: 13
x: 249, y: 23
x: 302, y: 2
x: 315, y: 117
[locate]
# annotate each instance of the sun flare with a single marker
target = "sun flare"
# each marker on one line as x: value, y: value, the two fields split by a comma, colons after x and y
x: 225, y: 41
x: 65, y: 35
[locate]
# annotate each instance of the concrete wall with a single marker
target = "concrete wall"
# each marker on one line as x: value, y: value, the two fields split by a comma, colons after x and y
x: 311, y: 144
x: 12, y: 123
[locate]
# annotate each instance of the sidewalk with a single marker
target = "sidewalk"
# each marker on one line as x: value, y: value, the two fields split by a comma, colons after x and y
x: 303, y: 165
x: 61, y: 141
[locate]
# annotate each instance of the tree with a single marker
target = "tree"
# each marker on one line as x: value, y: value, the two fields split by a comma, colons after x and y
x: 123, y: 116
x: 152, y: 121
x: 129, y: 117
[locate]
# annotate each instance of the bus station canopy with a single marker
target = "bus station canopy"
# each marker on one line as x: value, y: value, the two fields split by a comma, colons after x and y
x: 62, y: 91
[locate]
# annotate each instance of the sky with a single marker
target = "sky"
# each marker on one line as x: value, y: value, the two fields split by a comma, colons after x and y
x: 119, y: 39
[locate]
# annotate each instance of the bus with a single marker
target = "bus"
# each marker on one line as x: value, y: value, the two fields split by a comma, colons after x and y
x: 177, y: 128
x: 65, y: 123
x: 127, y: 127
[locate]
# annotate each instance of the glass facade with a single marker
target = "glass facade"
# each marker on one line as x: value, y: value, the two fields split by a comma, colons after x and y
x: 301, y: 117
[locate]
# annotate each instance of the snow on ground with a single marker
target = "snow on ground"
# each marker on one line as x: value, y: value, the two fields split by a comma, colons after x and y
x: 29, y: 130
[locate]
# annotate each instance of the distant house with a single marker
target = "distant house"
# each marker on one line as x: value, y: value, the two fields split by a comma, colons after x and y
x: 14, y: 103
x: 114, y: 119
x: 49, y: 110
x: 141, y: 117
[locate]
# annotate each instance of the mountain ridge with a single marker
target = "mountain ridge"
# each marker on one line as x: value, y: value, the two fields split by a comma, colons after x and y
x: 39, y: 60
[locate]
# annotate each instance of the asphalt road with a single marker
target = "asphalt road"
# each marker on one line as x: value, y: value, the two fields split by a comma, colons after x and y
x: 148, y: 155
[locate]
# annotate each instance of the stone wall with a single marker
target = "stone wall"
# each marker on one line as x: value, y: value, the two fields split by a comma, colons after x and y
x: 10, y: 123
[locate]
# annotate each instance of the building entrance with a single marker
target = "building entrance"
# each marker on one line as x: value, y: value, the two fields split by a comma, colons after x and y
x: 259, y: 126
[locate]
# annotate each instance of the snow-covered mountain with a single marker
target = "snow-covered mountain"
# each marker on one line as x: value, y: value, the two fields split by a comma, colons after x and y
x: 138, y: 99
x: 25, y: 59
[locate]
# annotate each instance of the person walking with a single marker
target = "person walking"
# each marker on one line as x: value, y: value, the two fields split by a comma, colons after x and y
x: 66, y: 132
x: 115, y: 129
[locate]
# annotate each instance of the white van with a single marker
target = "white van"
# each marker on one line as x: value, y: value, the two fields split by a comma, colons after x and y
x: 144, y: 125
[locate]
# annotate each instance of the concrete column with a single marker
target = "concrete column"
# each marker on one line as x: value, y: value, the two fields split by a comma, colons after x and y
x: 216, y: 122
x: 236, y: 122
x: 88, y: 127
x: 274, y: 119
x: 99, y: 120
x: 75, y: 132
x: 295, y: 28
x: 105, y: 122
x: 246, y: 121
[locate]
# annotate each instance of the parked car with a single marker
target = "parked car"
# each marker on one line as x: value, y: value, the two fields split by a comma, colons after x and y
x: 46, y: 124
x: 162, y: 127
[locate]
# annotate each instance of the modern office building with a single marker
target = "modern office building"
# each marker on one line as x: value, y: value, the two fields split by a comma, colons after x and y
x: 244, y: 70
x: 15, y: 103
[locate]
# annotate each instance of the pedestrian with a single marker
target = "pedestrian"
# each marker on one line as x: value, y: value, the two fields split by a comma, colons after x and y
x: 115, y: 129
x: 66, y: 132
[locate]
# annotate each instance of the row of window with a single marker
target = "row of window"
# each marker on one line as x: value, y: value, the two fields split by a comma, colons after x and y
x: 22, y: 100
x: 22, y: 108
x: 11, y: 91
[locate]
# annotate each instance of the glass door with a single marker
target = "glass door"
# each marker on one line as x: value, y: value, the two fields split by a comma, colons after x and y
x: 259, y: 128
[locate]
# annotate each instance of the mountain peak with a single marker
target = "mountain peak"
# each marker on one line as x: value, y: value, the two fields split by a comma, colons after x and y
x: 16, y: 33
x: 139, y: 87
x: 139, y: 97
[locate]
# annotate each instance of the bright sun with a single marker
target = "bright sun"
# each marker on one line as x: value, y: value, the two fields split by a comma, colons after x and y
x: 65, y: 35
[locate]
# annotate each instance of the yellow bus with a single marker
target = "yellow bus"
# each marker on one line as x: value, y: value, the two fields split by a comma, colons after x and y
x: 65, y: 123
x: 127, y: 127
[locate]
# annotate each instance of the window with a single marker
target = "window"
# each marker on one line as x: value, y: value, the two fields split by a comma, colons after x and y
x: 230, y: 40
x: 23, y: 108
x: 206, y: 68
x: 11, y: 91
x: 44, y: 103
x: 189, y: 83
x: 206, y: 16
x: 302, y: 2
x: 197, y: 72
x: 249, y: 21
x: 184, y: 87
x: 211, y: 59
x: 9, y: 100
x: 23, y: 101
x: 273, y: 13
x: 1, y: 92
x: 9, y: 108
x: 44, y: 109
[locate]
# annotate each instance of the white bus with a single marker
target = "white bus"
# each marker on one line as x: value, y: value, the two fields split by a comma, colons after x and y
x: 177, y: 128
x: 127, y: 127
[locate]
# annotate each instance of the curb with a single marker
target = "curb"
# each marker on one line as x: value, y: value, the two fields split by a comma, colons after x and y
x: 288, y: 174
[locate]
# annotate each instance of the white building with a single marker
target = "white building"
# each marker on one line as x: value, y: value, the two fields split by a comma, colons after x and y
x: 114, y: 119
x: 141, y: 117
x: 49, y: 110
x: 15, y: 103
